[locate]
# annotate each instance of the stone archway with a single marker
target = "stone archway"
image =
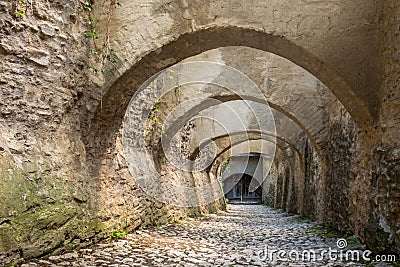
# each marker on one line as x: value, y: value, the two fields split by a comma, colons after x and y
x: 108, y: 118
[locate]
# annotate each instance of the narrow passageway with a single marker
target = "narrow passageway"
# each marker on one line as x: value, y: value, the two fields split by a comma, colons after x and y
x: 238, y: 237
x: 120, y: 115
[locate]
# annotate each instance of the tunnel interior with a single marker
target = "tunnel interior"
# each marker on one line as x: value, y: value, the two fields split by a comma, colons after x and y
x: 192, y: 128
x: 201, y: 105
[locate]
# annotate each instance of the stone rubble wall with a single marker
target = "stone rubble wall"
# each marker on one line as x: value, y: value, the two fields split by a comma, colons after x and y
x: 268, y: 187
x: 382, y: 232
x: 50, y: 199
x: 339, y: 151
x: 322, y: 193
x: 46, y: 196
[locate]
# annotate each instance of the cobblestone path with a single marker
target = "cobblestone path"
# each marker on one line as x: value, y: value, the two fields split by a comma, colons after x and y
x: 240, y: 236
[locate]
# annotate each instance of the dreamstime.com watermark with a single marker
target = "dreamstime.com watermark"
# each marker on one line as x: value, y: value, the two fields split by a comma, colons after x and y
x: 339, y: 253
x: 241, y: 115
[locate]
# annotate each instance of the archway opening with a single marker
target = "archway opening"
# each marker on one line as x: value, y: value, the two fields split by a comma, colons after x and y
x: 298, y: 142
x: 240, y: 193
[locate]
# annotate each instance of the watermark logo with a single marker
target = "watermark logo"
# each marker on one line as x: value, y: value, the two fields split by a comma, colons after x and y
x: 338, y: 253
x: 341, y: 243
x: 172, y: 110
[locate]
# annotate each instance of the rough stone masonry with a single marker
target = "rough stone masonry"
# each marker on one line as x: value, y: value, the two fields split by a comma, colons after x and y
x: 329, y: 70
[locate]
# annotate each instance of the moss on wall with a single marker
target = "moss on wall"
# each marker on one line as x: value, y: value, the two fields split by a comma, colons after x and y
x: 39, y: 214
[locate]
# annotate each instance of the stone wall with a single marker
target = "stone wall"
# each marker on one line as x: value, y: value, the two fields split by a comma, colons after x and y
x: 339, y: 151
x: 45, y: 198
x: 52, y: 198
x: 296, y: 186
x: 382, y: 229
x: 279, y: 188
x: 382, y: 232
x: 390, y: 62
x: 268, y: 187
x: 320, y: 188
x: 311, y: 175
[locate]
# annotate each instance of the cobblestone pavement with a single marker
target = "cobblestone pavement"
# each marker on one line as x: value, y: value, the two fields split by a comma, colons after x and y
x: 238, y: 237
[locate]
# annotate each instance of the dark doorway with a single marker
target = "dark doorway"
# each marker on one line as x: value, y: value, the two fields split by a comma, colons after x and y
x: 240, y: 192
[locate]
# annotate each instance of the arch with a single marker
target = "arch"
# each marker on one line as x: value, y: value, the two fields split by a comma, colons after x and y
x: 279, y: 146
x: 216, y: 165
x: 108, y: 118
x: 232, y: 97
x: 301, y: 158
